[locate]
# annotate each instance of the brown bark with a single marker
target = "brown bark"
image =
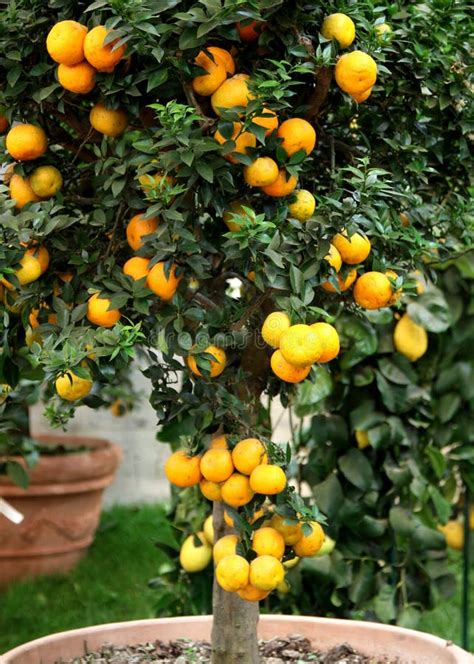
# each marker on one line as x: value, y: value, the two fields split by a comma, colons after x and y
x: 234, y: 628
x: 318, y: 97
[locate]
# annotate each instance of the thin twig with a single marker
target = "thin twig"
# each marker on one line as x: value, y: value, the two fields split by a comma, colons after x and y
x: 86, y: 139
x: 205, y: 301
x: 120, y: 213
x: 249, y: 311
x: 205, y: 121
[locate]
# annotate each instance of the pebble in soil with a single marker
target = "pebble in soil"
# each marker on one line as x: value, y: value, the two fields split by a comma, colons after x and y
x: 291, y: 650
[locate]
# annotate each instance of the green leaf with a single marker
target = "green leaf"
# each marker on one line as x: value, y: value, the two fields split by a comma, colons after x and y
x: 329, y: 496
x: 311, y: 392
x: 431, y: 311
x: 18, y: 475
x: 357, y: 470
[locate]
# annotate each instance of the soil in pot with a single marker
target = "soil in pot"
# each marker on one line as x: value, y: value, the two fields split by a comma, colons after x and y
x: 294, y: 649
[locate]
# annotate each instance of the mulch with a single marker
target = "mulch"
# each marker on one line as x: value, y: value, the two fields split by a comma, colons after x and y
x: 294, y: 649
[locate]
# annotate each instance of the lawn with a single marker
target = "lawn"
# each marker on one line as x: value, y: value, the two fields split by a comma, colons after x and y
x: 111, y: 585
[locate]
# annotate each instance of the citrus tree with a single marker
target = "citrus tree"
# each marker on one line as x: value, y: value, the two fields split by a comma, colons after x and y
x: 159, y: 150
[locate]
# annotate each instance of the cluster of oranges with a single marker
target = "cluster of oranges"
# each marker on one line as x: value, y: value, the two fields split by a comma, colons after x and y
x: 298, y: 347
x: 235, y: 477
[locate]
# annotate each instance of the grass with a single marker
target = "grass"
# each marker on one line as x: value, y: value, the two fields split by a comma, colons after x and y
x: 111, y: 585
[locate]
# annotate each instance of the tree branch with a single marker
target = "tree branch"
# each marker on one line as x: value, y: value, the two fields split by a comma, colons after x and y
x: 205, y: 301
x: 322, y: 83
x: 255, y: 306
x: 205, y: 121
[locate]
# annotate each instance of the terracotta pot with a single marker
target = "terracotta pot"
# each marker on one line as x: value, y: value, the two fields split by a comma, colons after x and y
x: 61, y: 508
x: 370, y: 638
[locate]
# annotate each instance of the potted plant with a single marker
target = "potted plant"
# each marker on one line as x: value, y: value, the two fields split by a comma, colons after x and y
x: 158, y: 204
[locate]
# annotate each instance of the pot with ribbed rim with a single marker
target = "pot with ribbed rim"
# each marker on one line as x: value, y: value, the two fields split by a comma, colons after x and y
x: 61, y: 507
x: 396, y: 644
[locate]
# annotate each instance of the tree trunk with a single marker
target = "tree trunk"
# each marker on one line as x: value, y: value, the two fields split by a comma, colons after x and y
x: 234, y: 629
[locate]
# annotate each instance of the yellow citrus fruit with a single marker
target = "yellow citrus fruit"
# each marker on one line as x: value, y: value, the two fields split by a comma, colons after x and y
x: 158, y: 180
x: 266, y: 572
x: 372, y: 290
x: 410, y: 339
x: 137, y: 267
x: 216, y: 465
x: 25, y: 142
x: 78, y: 78
x: 333, y: 257
x: 355, y: 72
x: 454, y: 534
x: 210, y: 490
x: 183, y: 470
x: 300, y: 345
x: 65, y: 42
x: 261, y: 172
x: 250, y: 31
x: 268, y: 542
x: 283, y: 587
x: 225, y: 546
x: 282, y: 186
x: 242, y: 139
x: 310, y: 544
x: 208, y: 529
x: 292, y: 562
x: 218, y: 364
x: 117, y: 408
x: 405, y: 219
x: 137, y: 228
x: 216, y: 74
x: 382, y: 30
x: 339, y: 27
x: 329, y: 339
x: 290, y: 529
x: 21, y: 192
x: 233, y: 92
x: 41, y: 254
x: 195, y: 558
x: 102, y: 57
x: 274, y: 326
x: 304, y: 205
x: 268, y: 119
x: 98, y: 311
x: 360, y: 97
x: 286, y: 371
x: 30, y: 269
x: 225, y: 56
x: 232, y: 573
x: 251, y: 594
x: 267, y: 479
x: 71, y: 387
x: 297, y: 134
x: 163, y: 282
x: 362, y: 438
x: 236, y: 491
x: 248, y: 454
x: 352, y: 250
x: 235, y: 208
x: 344, y: 282
x: 46, y: 181
x: 219, y: 442
x: 108, y: 121
x: 33, y: 317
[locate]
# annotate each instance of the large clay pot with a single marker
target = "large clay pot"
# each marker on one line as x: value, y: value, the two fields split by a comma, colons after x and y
x: 408, y: 646
x: 61, y: 508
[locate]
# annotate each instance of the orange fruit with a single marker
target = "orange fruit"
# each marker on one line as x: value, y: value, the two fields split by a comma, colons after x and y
x: 252, y: 594
x: 183, y: 470
x: 225, y: 56
x: 353, y: 250
x: 355, y: 72
x: 251, y: 275
x: 290, y: 529
x: 102, y: 57
x: 362, y: 438
x: 210, y: 490
x: 41, y: 254
x: 372, y: 290
x: 65, y: 42
x: 391, y: 274
x: 360, y: 97
x: 162, y: 281
x: 405, y: 219
x: 232, y: 573
x: 250, y: 30
x: 216, y: 74
x: 303, y: 206
x: 248, y: 454
x: 266, y: 572
x: 268, y: 119
x: 78, y: 78
x: 268, y: 480
x: 137, y: 228
x: 235, y: 208
x: 344, y: 283
x: 261, y: 172
x: 242, y: 139
x: 339, y: 27
x: 98, y: 311
x: 46, y: 181
x: 309, y: 545
x: 225, y: 546
x: 454, y: 534
x: 286, y: 371
x: 297, y: 134
x: 329, y: 339
x: 300, y: 345
x: 333, y: 257
x: 137, y: 267
x: 382, y: 30
x: 29, y: 270
x: 282, y: 186
x: 25, y: 142
x: 268, y: 542
x: 71, y: 387
x: 216, y: 465
x: 33, y: 317
x: 275, y: 324
x: 21, y: 192
x: 217, y: 364
x: 158, y: 180
x: 233, y: 92
x: 219, y: 443
x: 230, y: 522
x: 3, y: 123
x: 108, y: 121
x: 236, y: 490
